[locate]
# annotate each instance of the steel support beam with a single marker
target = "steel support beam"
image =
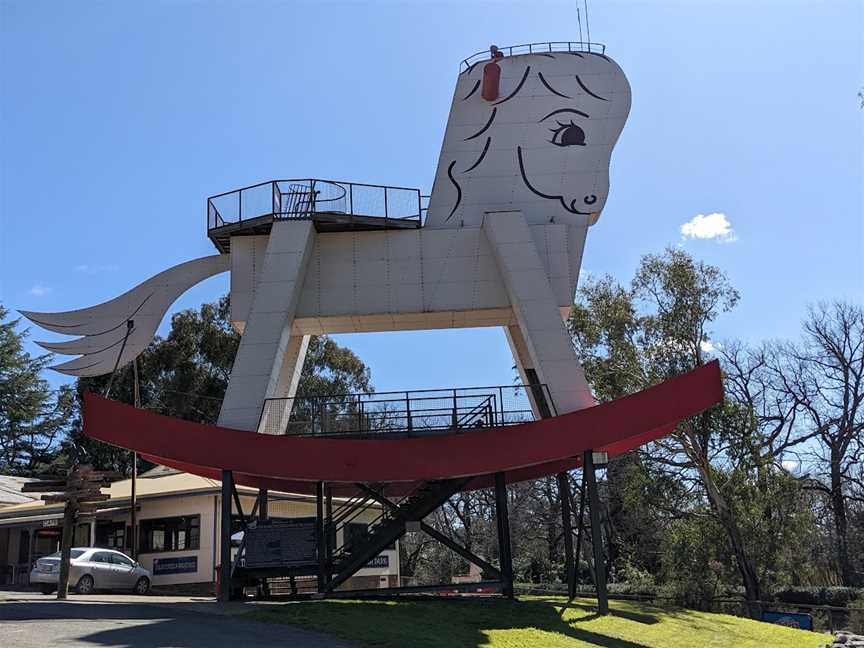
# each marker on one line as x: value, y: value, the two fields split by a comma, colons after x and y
x: 567, y: 525
x: 225, y: 537
x: 319, y: 536
x: 503, y: 519
x: 596, y: 534
x: 329, y: 530
x: 580, y: 526
x: 488, y: 569
x: 263, y: 509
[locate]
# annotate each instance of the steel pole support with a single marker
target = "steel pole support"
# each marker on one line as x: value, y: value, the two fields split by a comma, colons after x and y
x: 567, y: 525
x: 596, y: 534
x: 263, y: 499
x: 504, y: 549
x: 225, y: 538
x: 319, y: 537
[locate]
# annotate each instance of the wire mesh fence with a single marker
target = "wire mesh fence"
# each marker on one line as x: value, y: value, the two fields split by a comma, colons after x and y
x: 419, y: 412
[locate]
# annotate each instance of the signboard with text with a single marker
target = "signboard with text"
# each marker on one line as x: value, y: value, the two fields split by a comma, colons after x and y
x: 789, y: 619
x: 178, y: 565
x: 379, y: 562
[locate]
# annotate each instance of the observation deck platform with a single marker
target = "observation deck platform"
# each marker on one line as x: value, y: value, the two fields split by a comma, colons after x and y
x: 333, y: 206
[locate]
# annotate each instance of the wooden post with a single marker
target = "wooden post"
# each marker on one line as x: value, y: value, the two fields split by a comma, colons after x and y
x: 70, y: 517
x: 596, y: 534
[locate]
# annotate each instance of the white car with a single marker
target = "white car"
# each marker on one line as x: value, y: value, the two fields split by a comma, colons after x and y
x: 92, y: 568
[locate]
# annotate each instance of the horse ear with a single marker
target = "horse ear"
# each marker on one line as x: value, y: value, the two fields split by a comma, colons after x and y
x: 491, y: 81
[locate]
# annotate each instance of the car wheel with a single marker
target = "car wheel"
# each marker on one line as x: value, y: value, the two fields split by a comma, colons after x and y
x: 142, y: 586
x: 85, y: 584
x: 46, y: 589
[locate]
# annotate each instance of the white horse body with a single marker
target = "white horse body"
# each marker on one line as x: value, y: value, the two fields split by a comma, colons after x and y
x: 519, y: 181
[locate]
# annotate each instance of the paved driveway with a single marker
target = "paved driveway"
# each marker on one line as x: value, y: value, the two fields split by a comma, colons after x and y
x: 33, y: 622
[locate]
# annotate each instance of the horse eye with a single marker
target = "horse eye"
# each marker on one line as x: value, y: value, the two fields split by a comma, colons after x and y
x: 567, y: 135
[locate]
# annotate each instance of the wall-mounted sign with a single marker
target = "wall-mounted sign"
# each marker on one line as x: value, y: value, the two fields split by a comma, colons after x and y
x: 178, y: 565
x: 281, y: 543
x: 379, y: 562
x: 50, y: 523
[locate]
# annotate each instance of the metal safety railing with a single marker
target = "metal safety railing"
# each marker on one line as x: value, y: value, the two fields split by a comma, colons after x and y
x: 535, y: 48
x: 418, y: 412
x: 303, y: 198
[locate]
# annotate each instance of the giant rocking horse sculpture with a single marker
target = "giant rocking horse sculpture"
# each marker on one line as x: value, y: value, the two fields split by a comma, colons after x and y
x: 523, y: 173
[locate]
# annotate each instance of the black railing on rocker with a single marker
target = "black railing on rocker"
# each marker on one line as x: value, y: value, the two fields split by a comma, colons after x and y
x: 535, y: 48
x: 420, y: 412
x: 302, y: 198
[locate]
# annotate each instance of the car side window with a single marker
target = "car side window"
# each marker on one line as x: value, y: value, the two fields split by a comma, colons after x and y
x: 121, y: 560
x: 101, y: 557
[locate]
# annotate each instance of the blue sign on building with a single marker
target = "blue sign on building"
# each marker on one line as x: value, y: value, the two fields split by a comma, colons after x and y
x: 179, y: 565
x: 379, y: 561
x: 789, y: 619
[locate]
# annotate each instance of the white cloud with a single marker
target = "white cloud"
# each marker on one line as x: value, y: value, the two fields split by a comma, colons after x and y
x: 38, y: 290
x: 713, y: 226
x: 96, y: 269
x: 790, y: 465
x: 708, y: 346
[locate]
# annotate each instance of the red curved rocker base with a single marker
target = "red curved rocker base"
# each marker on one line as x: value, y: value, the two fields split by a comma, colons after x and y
x: 295, y: 464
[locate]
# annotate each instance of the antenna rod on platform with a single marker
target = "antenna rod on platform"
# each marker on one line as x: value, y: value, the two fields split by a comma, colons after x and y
x: 587, y: 26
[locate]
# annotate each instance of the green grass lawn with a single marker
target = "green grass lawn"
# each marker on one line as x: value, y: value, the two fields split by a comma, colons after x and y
x: 531, y: 621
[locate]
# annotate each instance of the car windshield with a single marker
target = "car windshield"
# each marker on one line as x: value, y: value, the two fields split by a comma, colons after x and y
x: 74, y: 553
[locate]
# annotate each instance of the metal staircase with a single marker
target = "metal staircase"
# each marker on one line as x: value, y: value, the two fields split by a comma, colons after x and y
x: 346, y: 560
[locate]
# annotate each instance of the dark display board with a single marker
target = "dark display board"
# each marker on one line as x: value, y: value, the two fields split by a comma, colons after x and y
x: 175, y: 565
x: 283, y: 543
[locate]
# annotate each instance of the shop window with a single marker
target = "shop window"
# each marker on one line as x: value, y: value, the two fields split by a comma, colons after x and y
x: 170, y: 534
x: 82, y: 536
x: 112, y: 535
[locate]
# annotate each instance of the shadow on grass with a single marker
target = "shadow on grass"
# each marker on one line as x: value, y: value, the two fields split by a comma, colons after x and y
x: 457, y: 623
x: 638, y: 617
x: 135, y: 625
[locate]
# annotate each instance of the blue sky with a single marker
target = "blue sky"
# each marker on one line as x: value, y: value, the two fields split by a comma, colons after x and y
x: 119, y: 118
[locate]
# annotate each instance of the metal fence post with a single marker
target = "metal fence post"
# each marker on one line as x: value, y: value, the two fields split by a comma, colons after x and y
x: 455, y: 422
x: 408, y: 412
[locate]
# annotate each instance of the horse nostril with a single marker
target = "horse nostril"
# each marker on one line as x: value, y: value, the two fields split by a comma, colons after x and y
x: 590, y: 200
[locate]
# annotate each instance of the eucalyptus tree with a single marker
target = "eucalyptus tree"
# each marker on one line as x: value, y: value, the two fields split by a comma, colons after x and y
x: 824, y: 374
x: 33, y: 417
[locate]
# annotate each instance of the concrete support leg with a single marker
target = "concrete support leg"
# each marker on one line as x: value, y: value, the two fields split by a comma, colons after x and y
x: 504, y: 548
x: 260, y: 367
x: 276, y: 413
x: 537, y: 397
x: 596, y: 534
x: 546, y: 340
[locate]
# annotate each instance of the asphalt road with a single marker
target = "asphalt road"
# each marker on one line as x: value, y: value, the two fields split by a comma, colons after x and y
x: 40, y: 623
